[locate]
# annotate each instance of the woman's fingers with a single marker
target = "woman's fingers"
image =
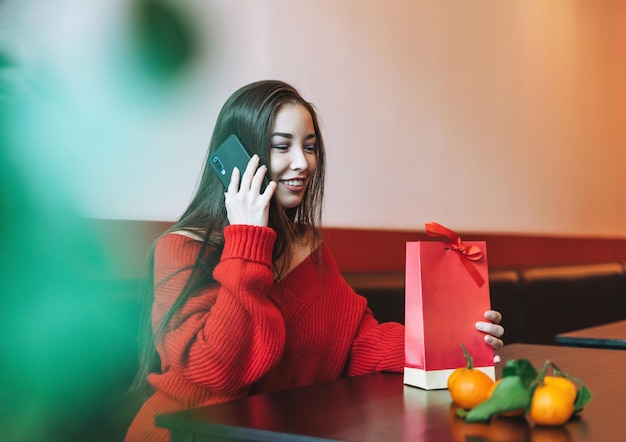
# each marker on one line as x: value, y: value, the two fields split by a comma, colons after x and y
x: 257, y: 179
x: 494, y: 342
x: 233, y: 186
x: 252, y: 178
x: 490, y: 328
x: 251, y: 170
x: 493, y: 316
x: 493, y: 333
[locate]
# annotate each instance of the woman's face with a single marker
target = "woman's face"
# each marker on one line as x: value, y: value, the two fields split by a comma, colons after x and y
x: 292, y: 156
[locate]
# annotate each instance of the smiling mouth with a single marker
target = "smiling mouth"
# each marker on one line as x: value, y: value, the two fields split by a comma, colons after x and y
x: 293, y: 183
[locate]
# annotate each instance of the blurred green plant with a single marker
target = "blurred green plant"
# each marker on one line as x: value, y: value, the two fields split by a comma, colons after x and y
x: 163, y: 38
x: 67, y: 333
x: 62, y: 332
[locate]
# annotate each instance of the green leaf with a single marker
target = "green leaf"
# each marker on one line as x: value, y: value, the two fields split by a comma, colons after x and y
x: 510, y: 394
x: 522, y: 368
x: 583, y: 396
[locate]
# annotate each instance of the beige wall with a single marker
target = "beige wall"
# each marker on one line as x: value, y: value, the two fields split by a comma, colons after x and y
x: 505, y: 116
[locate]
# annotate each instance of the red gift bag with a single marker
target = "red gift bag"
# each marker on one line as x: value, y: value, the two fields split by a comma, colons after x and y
x: 446, y: 294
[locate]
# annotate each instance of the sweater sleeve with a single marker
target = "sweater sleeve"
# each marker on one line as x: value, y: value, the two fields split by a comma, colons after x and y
x: 376, y: 347
x: 228, y: 335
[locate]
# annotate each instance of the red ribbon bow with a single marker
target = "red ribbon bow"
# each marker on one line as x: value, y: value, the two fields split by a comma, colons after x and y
x: 466, y: 254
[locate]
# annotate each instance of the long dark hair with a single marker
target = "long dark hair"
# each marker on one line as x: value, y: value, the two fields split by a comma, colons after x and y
x: 249, y: 113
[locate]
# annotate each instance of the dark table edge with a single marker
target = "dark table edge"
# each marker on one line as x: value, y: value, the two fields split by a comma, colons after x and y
x: 234, y: 433
x: 591, y: 342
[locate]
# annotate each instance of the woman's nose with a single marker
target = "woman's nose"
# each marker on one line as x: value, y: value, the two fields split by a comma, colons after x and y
x: 298, y: 160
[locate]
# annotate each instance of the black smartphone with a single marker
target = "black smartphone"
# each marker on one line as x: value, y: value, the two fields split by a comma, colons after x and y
x: 230, y: 154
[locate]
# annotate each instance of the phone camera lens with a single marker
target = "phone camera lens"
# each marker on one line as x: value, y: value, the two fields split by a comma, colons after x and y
x: 219, y: 166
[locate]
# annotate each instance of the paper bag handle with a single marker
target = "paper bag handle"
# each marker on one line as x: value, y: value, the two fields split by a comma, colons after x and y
x: 466, y: 254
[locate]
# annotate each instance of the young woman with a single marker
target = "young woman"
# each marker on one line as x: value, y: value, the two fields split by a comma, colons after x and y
x: 247, y: 297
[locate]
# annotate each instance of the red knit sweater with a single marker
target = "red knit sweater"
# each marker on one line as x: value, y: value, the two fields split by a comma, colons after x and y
x: 250, y: 334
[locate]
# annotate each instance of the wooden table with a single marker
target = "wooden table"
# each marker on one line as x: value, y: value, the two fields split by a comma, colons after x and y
x: 612, y: 335
x: 378, y: 407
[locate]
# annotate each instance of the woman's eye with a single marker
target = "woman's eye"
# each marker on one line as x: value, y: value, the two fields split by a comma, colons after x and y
x: 280, y: 146
x: 310, y: 148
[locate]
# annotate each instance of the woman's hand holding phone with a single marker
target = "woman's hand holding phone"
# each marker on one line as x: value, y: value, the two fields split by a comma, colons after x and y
x: 245, y: 204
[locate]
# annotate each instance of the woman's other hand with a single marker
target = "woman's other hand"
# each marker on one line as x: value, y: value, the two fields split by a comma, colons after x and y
x: 245, y: 204
x: 493, y: 331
